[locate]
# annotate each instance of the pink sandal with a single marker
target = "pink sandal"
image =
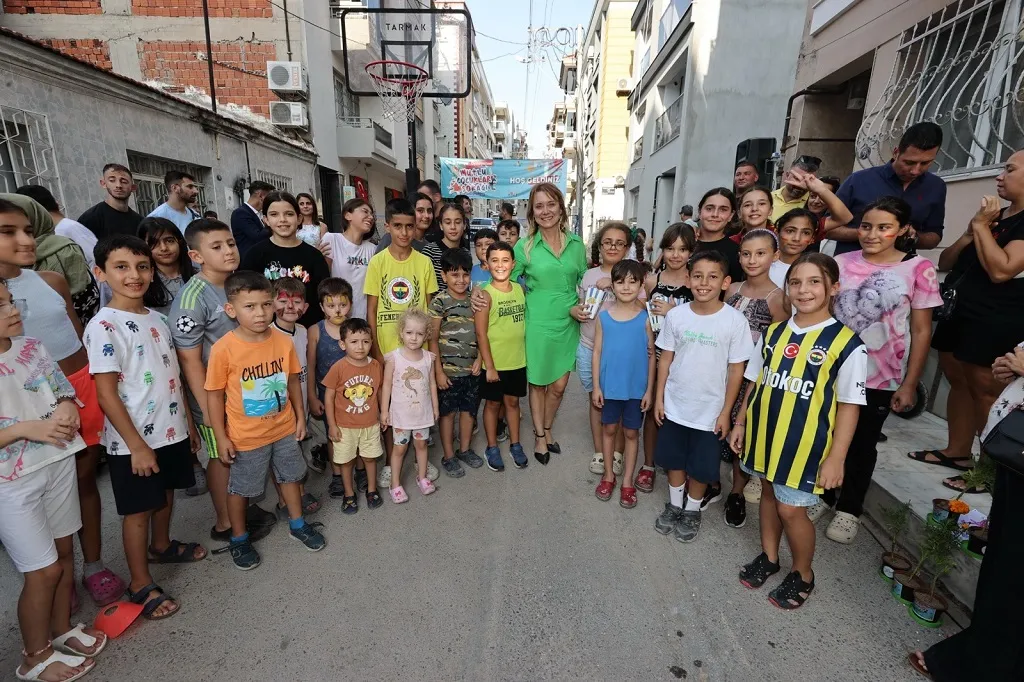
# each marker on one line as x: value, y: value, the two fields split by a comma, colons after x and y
x: 398, y: 495
x: 426, y: 487
x: 104, y: 587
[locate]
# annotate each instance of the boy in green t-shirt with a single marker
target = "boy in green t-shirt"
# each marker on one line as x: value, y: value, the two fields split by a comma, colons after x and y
x: 456, y: 361
x: 396, y: 278
x: 501, y: 336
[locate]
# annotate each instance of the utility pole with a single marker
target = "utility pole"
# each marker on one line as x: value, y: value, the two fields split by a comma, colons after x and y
x: 529, y: 60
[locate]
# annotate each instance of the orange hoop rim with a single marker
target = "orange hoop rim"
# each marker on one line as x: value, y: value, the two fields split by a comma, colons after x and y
x: 423, y: 78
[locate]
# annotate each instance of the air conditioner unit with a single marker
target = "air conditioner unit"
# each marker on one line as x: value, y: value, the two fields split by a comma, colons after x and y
x: 289, y: 115
x: 287, y: 79
x: 623, y: 87
x: 620, y: 181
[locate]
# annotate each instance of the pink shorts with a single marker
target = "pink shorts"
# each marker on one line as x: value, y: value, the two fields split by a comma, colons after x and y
x: 89, y: 411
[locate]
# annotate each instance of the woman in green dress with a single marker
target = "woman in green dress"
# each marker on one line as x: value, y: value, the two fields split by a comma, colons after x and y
x: 552, y: 260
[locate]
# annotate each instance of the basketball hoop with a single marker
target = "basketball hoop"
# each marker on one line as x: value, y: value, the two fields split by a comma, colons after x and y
x: 398, y: 85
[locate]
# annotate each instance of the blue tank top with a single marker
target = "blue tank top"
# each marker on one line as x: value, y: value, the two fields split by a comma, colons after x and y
x: 623, y: 357
x: 47, y: 316
x: 328, y: 352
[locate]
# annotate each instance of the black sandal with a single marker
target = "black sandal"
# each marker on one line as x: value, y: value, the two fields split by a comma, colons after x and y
x: 349, y: 505
x: 148, y: 607
x: 542, y: 457
x: 552, y: 446
x: 176, y: 553
x: 792, y: 593
x: 756, y: 573
x: 373, y: 499
x: 974, y: 490
x: 942, y: 460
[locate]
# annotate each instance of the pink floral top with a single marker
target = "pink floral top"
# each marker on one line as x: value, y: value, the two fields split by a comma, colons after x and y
x: 412, y: 406
x: 875, y: 301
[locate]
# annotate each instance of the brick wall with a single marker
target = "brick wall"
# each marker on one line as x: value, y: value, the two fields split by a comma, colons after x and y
x: 96, y: 52
x: 59, y: 6
x: 176, y: 63
x: 194, y: 8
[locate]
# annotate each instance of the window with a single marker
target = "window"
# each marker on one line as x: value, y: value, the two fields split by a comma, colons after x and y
x: 149, y: 172
x: 346, y: 105
x: 26, y: 152
x: 961, y: 67
x: 280, y: 182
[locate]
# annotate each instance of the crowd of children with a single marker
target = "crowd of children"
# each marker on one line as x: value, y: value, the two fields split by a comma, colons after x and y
x: 752, y: 351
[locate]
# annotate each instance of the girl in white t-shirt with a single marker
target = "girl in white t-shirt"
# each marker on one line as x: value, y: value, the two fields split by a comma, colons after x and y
x: 349, y: 253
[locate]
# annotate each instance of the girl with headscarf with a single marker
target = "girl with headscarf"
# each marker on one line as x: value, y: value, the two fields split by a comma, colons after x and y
x: 61, y: 255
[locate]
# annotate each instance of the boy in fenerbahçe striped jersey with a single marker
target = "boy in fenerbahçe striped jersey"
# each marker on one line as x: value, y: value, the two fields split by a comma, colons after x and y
x: 808, y: 377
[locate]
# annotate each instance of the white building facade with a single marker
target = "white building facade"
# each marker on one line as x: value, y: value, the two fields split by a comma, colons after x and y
x: 706, y: 76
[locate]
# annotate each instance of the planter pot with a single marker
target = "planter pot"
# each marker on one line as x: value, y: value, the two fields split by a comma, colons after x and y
x: 977, y: 540
x: 927, y: 609
x: 904, y: 587
x: 940, y: 510
x: 892, y: 562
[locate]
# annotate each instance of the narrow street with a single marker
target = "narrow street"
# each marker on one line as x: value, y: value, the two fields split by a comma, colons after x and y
x: 520, y: 575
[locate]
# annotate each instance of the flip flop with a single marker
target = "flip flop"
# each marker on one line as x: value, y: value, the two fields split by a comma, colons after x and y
x: 943, y: 460
x: 969, y: 491
x: 918, y: 666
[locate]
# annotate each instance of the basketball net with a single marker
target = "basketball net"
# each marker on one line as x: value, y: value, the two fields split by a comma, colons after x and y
x: 398, y: 85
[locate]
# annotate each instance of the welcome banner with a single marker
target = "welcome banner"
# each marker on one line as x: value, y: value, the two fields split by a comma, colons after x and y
x: 504, y: 179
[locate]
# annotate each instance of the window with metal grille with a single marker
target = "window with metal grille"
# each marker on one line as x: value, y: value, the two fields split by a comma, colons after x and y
x: 26, y: 152
x: 149, y: 172
x: 961, y: 67
x: 280, y: 182
x: 346, y: 105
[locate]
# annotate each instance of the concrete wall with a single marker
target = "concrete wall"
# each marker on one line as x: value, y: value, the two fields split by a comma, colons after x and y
x: 95, y: 119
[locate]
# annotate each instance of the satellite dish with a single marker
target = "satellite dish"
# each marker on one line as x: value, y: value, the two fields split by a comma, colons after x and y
x: 441, y: 87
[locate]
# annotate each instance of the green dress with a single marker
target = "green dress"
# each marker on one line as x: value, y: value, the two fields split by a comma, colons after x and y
x: 551, y: 290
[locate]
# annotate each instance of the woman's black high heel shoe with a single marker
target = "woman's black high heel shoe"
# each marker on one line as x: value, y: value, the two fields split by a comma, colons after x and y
x: 553, y: 446
x: 542, y: 457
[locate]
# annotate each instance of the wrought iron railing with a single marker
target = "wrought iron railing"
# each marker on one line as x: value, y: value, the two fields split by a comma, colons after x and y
x: 666, y: 127
x: 962, y: 68
x: 638, y: 149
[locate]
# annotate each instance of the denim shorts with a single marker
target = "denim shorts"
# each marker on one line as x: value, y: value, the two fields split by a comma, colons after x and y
x: 248, y: 473
x: 626, y: 410
x: 785, y: 494
x: 585, y: 366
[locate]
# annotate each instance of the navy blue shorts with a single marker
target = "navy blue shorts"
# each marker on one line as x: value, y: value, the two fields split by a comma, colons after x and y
x: 463, y: 396
x: 681, y: 448
x: 627, y: 410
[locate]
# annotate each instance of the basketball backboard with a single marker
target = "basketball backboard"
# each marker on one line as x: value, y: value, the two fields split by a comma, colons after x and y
x: 438, y: 41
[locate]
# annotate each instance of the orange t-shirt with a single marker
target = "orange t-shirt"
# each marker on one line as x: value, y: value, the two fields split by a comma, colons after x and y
x: 254, y: 378
x: 357, y: 393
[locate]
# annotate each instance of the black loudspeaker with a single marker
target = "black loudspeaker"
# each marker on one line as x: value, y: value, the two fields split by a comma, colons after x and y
x: 757, y: 150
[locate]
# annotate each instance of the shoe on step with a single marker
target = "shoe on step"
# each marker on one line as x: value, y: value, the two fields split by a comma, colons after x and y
x: 843, y: 528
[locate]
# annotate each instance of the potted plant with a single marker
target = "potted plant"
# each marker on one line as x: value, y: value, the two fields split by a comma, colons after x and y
x: 939, y: 548
x: 896, y: 520
x: 977, y: 539
x: 980, y: 476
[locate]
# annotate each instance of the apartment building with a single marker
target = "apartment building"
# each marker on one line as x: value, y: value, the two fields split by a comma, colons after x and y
x: 870, y: 68
x: 503, y: 130
x: 602, y: 59
x: 562, y: 131
x: 706, y: 76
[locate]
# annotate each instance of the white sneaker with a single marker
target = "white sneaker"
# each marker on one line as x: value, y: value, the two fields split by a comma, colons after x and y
x: 432, y: 472
x: 843, y: 528
x: 817, y: 511
x: 752, y: 490
x: 384, y: 477
x: 617, y: 463
x: 597, y: 464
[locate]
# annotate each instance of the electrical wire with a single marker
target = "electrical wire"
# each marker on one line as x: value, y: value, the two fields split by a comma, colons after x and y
x: 502, y: 56
x: 500, y: 40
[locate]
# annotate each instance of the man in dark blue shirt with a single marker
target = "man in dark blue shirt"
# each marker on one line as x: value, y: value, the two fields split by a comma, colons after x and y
x: 905, y: 176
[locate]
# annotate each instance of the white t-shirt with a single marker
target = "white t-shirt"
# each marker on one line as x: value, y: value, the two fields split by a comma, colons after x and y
x: 80, y: 234
x: 849, y: 383
x: 181, y: 219
x: 300, y: 340
x: 704, y: 347
x: 349, y: 261
x: 140, y: 350
x: 777, y: 274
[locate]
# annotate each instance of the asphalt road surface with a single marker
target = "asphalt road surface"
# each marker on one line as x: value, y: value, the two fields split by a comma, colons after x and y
x: 519, y: 575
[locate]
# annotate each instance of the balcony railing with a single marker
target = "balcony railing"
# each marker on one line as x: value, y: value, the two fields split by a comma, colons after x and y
x: 638, y: 149
x: 644, y: 63
x: 674, y: 11
x: 666, y: 128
